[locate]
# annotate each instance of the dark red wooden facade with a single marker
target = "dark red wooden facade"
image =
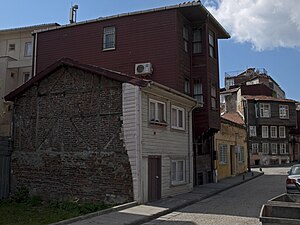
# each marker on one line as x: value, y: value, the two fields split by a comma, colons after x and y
x: 155, y: 37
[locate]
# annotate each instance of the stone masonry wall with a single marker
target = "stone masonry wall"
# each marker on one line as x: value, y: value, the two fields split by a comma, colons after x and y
x: 67, y: 141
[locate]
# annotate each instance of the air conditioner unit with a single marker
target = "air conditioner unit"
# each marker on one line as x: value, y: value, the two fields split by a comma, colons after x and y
x: 143, y: 68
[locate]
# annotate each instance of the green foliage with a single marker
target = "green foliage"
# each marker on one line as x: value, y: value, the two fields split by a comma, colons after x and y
x: 22, y: 195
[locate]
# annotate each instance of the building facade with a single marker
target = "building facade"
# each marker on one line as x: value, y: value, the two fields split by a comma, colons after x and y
x: 81, y: 131
x: 231, y: 146
x: 176, y: 46
x: 16, y: 50
x: 269, y: 121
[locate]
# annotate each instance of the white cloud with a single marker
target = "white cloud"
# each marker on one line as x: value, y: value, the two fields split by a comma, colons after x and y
x: 267, y: 24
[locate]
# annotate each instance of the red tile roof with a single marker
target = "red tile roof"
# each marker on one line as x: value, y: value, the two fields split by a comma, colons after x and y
x: 233, y: 117
x: 71, y: 63
x: 267, y: 98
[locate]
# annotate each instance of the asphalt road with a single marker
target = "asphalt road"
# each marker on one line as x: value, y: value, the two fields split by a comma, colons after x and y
x: 240, y: 205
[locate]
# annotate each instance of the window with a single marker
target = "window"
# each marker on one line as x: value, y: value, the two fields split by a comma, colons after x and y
x: 157, y: 111
x: 211, y: 41
x: 11, y: 47
x: 241, y: 154
x: 265, y: 148
x: 281, y: 132
x: 273, y: 130
x: 282, y: 147
x: 265, y: 131
x: 213, y: 97
x: 264, y: 110
x: 177, y: 171
x: 187, y: 86
x: 255, y: 148
x: 185, y: 39
x: 28, y: 49
x: 283, y: 111
x: 197, y: 41
x: 198, y: 92
x: 109, y: 38
x: 26, y: 77
x: 252, y: 130
x: 229, y: 82
x: 274, y: 148
x: 177, y: 117
x: 223, y: 154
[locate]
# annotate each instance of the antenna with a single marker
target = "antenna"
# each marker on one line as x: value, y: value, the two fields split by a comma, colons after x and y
x: 73, y: 13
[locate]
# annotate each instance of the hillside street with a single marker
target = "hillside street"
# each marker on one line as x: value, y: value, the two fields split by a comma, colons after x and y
x: 239, y: 205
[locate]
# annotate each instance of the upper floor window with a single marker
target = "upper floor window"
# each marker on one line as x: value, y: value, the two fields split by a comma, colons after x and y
x: 26, y: 77
x: 283, y: 149
x: 211, y: 41
x: 178, y: 171
x: 28, y: 49
x: 273, y: 131
x: 265, y: 110
x: 177, y: 117
x: 229, y: 82
x: 223, y: 154
x: 213, y: 97
x: 109, y: 38
x: 252, y: 130
x: 11, y: 47
x: 187, y: 86
x: 197, y: 41
x: 283, y: 111
x: 265, y: 148
x: 274, y: 148
x: 198, y: 92
x: 185, y: 39
x: 265, y: 131
x: 157, y: 111
x: 281, y: 132
x: 254, y: 148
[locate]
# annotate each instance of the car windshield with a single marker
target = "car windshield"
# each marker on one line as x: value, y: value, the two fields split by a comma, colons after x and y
x: 295, y: 170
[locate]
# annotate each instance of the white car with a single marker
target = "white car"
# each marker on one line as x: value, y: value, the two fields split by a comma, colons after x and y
x: 293, y: 180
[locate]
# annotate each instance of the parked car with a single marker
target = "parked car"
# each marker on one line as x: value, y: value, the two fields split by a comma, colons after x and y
x: 293, y: 179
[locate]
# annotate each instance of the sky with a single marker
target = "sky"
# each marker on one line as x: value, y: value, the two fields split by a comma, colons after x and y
x: 264, y: 33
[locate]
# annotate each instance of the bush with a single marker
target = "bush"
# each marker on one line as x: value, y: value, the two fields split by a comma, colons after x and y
x: 22, y: 195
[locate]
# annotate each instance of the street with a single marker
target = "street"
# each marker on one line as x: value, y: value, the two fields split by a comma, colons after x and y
x: 239, y: 205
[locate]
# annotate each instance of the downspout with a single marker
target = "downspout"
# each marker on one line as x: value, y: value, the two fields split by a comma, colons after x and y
x: 34, y: 54
x: 245, y: 104
x: 190, y: 145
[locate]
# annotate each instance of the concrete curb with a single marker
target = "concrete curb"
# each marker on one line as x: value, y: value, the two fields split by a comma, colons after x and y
x: 102, y: 212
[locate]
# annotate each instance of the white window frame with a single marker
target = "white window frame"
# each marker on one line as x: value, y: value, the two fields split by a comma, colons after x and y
x: 241, y: 154
x: 282, y: 148
x: 177, y: 125
x: 11, y: 47
x: 223, y: 154
x: 264, y: 131
x: 273, y: 131
x: 24, y: 77
x: 109, y: 31
x: 252, y: 131
x: 265, y: 148
x: 175, y: 176
x: 156, y: 119
x: 282, y: 131
x: 211, y: 44
x: 213, y: 96
x: 254, y: 148
x: 274, y: 148
x: 28, y: 49
x: 197, y: 40
x: 283, y: 111
x: 264, y: 110
x: 187, y: 86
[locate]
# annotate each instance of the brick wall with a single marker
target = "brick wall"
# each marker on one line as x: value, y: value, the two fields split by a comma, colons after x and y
x: 67, y: 140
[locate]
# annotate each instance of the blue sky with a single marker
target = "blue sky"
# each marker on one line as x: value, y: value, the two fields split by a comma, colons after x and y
x: 265, y: 33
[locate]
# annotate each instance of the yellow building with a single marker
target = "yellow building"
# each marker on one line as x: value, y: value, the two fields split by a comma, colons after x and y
x: 231, y: 146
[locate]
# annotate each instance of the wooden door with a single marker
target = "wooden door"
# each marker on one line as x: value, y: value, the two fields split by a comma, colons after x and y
x: 154, y: 178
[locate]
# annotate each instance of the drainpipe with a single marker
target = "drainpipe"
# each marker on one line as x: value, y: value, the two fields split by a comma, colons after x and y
x: 245, y: 104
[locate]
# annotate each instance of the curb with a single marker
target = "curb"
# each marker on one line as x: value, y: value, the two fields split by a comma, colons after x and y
x: 98, y: 213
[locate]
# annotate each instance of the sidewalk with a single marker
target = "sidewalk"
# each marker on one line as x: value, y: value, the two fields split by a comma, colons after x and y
x: 131, y: 214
